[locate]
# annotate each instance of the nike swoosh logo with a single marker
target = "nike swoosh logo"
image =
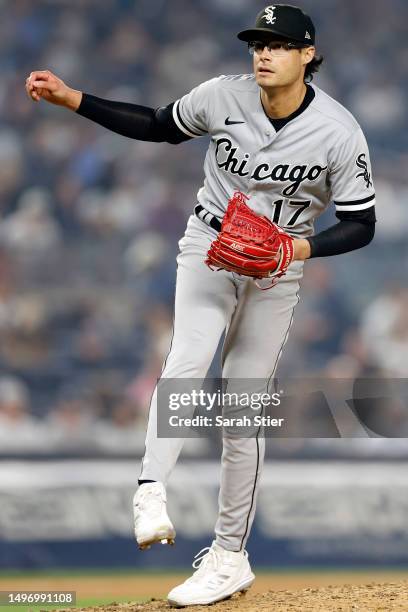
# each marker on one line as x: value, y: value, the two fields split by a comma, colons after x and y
x: 229, y: 122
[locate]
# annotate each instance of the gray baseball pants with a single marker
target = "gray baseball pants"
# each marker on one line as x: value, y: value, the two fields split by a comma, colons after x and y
x: 257, y: 324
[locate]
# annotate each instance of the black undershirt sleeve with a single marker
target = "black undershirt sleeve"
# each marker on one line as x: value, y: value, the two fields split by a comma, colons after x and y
x: 354, y: 231
x: 133, y: 120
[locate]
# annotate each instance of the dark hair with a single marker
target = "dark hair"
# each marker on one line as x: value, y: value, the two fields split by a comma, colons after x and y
x: 313, y: 67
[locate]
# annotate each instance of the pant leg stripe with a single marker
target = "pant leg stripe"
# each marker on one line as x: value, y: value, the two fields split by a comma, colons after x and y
x: 164, y: 365
x: 259, y: 429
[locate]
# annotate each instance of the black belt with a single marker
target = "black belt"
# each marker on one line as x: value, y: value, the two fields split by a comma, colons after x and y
x: 207, y: 217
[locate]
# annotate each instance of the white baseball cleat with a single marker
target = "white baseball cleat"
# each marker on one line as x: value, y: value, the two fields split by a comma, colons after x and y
x: 152, y: 523
x: 220, y: 574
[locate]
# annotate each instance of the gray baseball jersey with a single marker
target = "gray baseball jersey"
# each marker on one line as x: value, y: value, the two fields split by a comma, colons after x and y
x: 292, y: 175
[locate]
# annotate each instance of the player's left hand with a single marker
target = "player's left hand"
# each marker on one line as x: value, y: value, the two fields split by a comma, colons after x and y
x: 250, y: 244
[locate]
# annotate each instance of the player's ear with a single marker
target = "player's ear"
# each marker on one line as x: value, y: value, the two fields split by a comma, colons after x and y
x: 308, y: 54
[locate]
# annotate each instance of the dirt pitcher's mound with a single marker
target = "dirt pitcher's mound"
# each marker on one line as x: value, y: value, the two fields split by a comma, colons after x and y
x: 365, y: 598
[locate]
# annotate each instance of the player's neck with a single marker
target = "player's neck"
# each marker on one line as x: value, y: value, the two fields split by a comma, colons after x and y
x: 280, y: 102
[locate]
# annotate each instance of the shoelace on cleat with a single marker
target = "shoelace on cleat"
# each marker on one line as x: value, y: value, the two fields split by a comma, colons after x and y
x: 202, y: 558
x: 206, y: 559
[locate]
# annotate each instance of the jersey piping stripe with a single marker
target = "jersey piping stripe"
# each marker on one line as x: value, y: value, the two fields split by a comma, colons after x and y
x: 181, y: 124
x: 354, y: 202
x: 354, y: 207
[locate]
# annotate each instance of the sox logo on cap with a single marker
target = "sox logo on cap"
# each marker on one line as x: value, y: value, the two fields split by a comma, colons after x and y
x: 269, y: 16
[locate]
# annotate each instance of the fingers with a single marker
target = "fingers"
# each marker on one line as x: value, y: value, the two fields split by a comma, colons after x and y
x: 32, y: 92
x: 43, y: 74
x: 40, y: 80
x: 34, y: 95
x: 44, y: 85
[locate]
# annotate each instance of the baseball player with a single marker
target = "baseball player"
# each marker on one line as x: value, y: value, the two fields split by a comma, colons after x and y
x: 287, y: 151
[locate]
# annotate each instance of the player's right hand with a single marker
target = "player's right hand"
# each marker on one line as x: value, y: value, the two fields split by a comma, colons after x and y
x: 43, y: 84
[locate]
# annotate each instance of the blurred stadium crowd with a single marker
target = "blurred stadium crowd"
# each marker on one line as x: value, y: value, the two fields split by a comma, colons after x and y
x: 89, y: 221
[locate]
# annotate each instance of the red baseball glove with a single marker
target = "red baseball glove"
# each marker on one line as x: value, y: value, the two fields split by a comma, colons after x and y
x: 250, y: 244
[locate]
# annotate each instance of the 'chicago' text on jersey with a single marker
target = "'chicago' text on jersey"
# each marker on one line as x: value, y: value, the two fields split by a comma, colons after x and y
x: 229, y: 159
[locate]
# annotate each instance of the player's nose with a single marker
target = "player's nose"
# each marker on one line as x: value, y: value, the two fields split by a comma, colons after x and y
x: 264, y: 55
